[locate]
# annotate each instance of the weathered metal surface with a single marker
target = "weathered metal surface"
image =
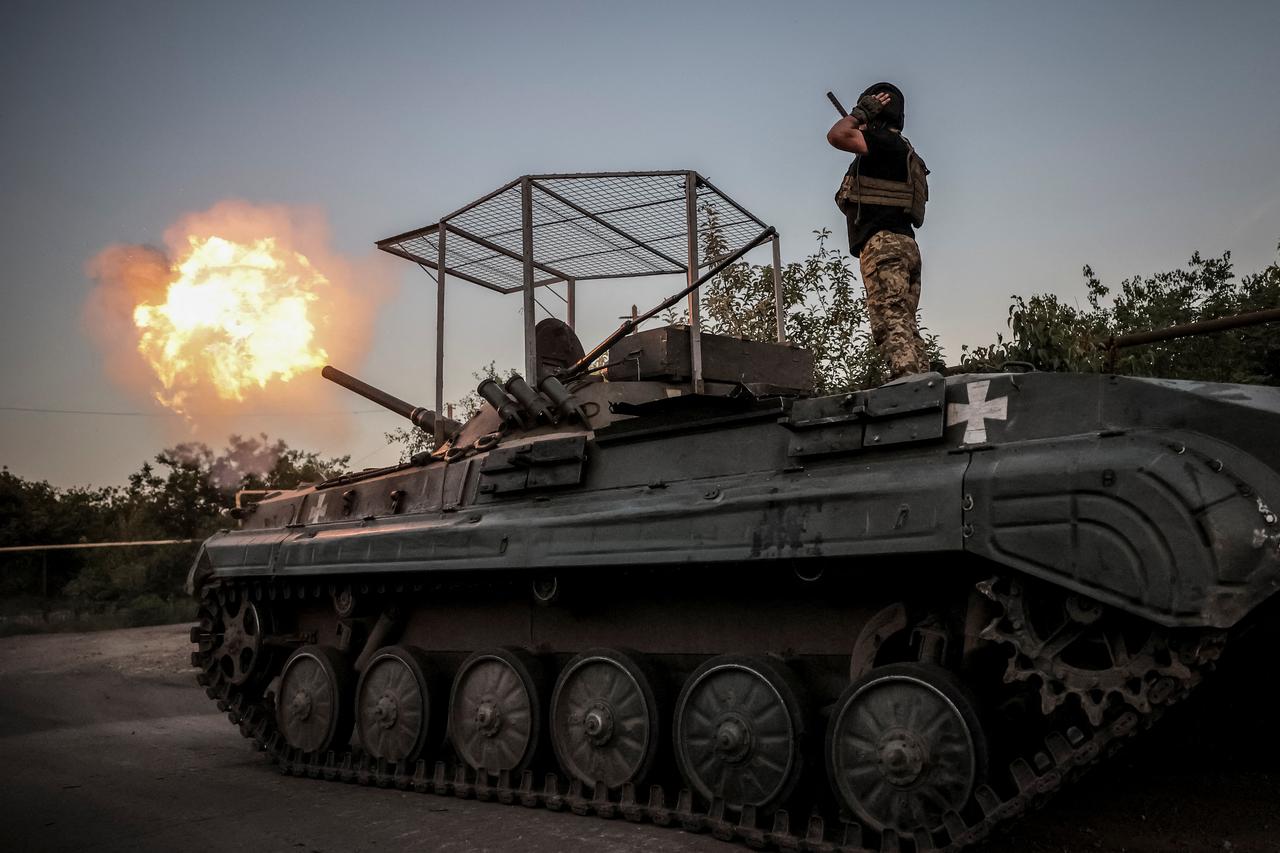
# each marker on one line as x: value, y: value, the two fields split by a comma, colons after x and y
x: 546, y: 464
x: 1151, y: 495
x: 1121, y: 492
x: 1202, y: 327
x: 630, y: 325
x: 906, y: 411
x: 432, y: 422
x: 1115, y: 343
x: 833, y: 541
x: 988, y: 544
x: 1038, y: 769
x: 665, y: 354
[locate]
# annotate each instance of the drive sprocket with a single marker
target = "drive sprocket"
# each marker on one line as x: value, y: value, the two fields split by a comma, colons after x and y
x: 1075, y: 646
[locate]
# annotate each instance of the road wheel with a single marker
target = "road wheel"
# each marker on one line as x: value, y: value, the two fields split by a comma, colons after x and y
x: 739, y: 731
x: 313, y: 707
x: 396, y: 708
x: 495, y: 710
x: 905, y: 747
x: 604, y: 719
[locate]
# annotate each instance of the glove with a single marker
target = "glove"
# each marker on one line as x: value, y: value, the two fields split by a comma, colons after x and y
x: 868, y: 108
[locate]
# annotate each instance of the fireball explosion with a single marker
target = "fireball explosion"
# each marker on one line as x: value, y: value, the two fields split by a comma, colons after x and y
x: 236, y: 315
x: 240, y: 303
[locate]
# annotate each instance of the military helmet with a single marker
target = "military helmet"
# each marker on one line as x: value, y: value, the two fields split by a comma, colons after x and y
x: 894, y: 112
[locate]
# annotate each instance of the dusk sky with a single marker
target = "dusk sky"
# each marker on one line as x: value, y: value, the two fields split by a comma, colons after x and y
x: 1120, y: 135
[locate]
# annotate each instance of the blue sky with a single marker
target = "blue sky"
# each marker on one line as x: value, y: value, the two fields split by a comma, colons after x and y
x: 1122, y: 135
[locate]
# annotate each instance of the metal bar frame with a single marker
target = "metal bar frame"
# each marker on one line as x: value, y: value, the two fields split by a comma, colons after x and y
x: 612, y: 250
x: 473, y: 205
x: 642, y: 251
x: 530, y: 316
x: 608, y: 276
x: 691, y: 275
x: 632, y: 323
x: 576, y: 223
x: 641, y: 206
x: 390, y: 244
x: 440, y: 278
x: 427, y: 229
x: 574, y: 220
x: 727, y: 198
x: 606, y: 212
x: 616, y: 230
x: 661, y: 173
x: 431, y: 265
x: 485, y: 266
x: 777, y: 289
x: 494, y: 247
x: 505, y: 291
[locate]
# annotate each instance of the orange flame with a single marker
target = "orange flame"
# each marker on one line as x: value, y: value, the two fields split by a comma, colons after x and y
x: 236, y: 315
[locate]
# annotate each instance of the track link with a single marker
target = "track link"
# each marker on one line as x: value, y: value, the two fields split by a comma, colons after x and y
x: 1037, y: 775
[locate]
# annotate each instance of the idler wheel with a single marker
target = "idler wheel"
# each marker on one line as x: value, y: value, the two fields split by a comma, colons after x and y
x: 905, y: 747
x: 396, y: 715
x: 313, y: 707
x: 240, y: 653
x: 739, y: 731
x: 495, y: 710
x: 604, y: 719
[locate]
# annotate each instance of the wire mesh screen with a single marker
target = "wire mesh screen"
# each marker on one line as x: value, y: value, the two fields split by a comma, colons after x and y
x: 584, y: 226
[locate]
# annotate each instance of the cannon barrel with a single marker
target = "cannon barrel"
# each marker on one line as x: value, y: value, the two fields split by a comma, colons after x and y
x: 1115, y: 343
x: 1200, y: 327
x: 424, y: 418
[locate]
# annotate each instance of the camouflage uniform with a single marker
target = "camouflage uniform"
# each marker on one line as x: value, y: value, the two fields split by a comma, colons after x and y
x: 891, y: 275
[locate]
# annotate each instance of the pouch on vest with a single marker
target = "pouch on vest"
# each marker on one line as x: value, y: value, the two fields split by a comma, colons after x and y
x: 910, y: 195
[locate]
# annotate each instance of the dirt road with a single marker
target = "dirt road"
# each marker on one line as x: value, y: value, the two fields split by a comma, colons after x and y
x: 107, y: 744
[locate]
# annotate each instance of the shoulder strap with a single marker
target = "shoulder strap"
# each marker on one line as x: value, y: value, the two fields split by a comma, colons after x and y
x: 911, y: 149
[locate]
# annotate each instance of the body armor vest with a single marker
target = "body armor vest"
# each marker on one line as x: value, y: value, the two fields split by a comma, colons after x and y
x: 910, y: 195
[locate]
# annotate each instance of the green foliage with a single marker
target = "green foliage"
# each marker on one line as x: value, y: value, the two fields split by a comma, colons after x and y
x: 1050, y: 334
x: 823, y: 302
x: 414, y: 440
x: 181, y: 494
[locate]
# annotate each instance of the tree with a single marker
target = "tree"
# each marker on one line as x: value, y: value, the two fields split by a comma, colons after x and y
x: 1050, y: 334
x: 414, y: 440
x: 182, y: 493
x: 34, y: 512
x: 824, y: 305
x: 825, y: 310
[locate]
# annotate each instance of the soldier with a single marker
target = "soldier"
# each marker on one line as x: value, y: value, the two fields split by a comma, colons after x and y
x: 883, y: 197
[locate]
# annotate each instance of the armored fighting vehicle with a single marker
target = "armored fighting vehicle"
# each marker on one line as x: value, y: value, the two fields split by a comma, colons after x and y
x: 664, y: 580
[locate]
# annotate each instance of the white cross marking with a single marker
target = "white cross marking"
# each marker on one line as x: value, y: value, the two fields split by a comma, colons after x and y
x: 975, y: 413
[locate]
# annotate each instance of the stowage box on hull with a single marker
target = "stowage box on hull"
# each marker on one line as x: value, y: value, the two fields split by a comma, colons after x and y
x: 663, y: 354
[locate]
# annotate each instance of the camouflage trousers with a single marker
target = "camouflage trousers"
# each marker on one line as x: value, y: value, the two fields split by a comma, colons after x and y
x: 891, y: 275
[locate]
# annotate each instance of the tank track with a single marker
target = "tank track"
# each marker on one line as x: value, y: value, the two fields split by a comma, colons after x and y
x: 1040, y: 771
